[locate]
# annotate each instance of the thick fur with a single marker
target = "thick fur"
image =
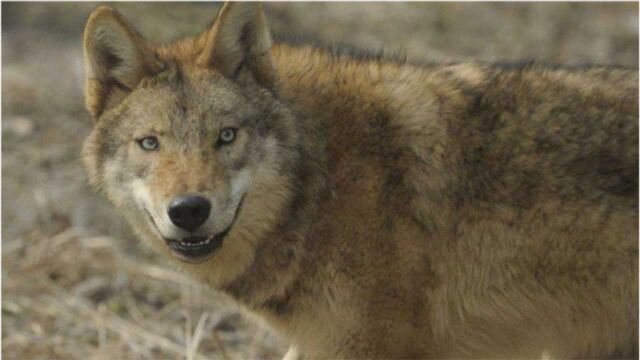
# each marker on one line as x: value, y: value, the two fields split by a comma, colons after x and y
x: 389, y: 210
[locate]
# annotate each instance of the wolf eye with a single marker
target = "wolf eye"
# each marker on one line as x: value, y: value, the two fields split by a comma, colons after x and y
x: 148, y: 143
x: 227, y: 135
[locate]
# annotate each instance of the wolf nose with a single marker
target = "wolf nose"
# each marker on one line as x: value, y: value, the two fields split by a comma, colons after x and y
x: 189, y: 212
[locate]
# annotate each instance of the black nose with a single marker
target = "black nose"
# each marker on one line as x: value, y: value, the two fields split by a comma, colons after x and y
x: 189, y: 212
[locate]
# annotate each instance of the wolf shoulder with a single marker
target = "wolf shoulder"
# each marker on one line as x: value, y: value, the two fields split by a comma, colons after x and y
x: 518, y: 133
x: 575, y: 129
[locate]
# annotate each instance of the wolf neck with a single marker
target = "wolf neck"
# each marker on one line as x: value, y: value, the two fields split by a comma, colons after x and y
x: 268, y: 285
x: 307, y: 84
x: 344, y: 115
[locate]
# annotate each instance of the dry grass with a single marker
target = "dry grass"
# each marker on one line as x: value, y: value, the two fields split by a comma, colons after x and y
x: 74, y: 296
x: 75, y: 283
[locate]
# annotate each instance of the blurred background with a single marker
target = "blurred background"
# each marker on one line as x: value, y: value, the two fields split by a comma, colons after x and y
x: 75, y: 282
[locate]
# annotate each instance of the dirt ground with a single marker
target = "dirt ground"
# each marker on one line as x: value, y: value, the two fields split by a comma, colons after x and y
x: 75, y: 283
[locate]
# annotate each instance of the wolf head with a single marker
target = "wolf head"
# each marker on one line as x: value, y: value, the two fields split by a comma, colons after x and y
x: 190, y: 141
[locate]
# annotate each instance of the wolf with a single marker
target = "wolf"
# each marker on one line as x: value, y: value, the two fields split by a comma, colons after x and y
x: 366, y: 207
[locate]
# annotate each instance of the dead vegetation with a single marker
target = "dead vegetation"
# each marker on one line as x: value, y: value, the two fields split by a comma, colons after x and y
x: 75, y: 283
x: 74, y: 295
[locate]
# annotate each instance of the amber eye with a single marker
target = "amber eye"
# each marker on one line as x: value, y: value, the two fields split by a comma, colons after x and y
x: 227, y: 135
x: 148, y: 143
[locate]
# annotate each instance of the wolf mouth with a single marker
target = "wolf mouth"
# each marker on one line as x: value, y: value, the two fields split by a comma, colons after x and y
x: 195, y: 249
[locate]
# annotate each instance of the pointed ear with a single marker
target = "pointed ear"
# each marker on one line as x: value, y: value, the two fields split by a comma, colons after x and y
x: 116, y: 58
x: 239, y: 44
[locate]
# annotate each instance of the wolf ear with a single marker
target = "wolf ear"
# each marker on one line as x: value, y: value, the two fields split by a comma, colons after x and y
x: 239, y: 44
x: 116, y: 58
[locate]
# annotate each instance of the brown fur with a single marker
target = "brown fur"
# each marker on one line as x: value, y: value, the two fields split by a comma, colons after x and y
x: 395, y: 211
